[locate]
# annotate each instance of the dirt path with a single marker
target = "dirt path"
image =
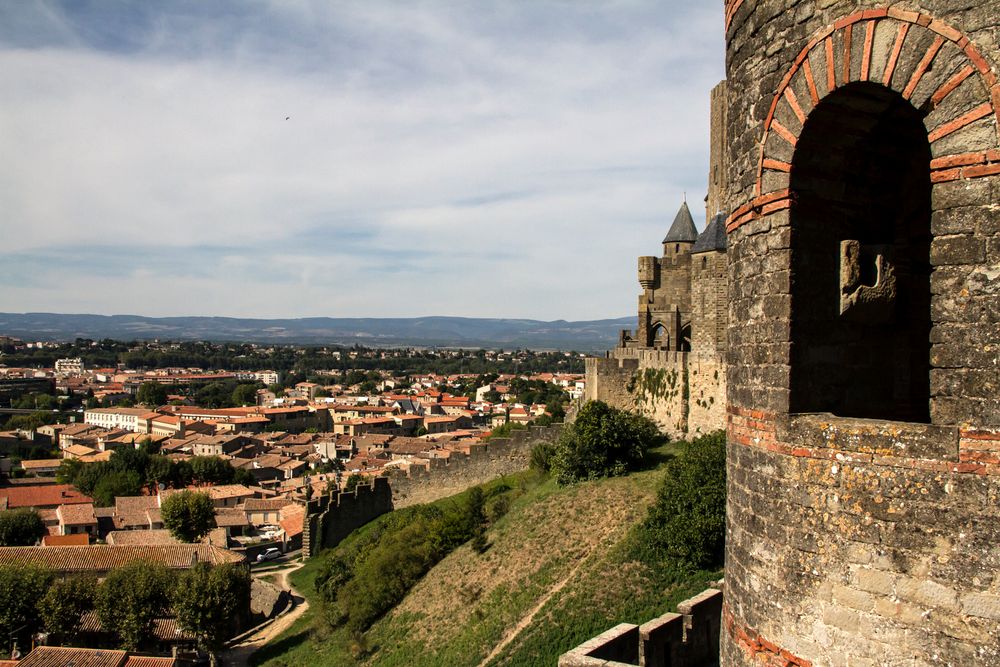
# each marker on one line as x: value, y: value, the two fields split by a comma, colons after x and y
x: 528, y: 618
x: 239, y: 655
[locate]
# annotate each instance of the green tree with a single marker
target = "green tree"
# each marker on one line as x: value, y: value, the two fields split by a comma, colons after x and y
x: 188, y: 515
x: 131, y: 598
x: 352, y: 482
x: 208, y: 600
x: 116, y: 483
x: 21, y: 588
x: 151, y: 394
x: 20, y: 528
x: 687, y: 523
x: 245, y: 394
x: 602, y: 442
x: 65, y: 603
x: 211, y: 469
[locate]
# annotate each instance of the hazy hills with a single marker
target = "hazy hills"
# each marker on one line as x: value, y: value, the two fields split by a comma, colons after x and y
x: 376, y: 332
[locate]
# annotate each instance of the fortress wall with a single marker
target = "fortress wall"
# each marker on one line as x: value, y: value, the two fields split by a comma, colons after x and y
x: 689, y: 638
x: 331, y: 518
x: 445, y: 477
x: 707, y: 394
x: 682, y: 392
x: 862, y: 541
x: 660, y: 390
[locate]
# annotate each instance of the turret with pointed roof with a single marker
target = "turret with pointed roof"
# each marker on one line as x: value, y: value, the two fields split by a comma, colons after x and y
x: 682, y: 230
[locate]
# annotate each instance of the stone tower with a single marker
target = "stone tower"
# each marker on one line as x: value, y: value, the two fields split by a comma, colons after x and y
x: 863, y: 200
x: 665, y: 302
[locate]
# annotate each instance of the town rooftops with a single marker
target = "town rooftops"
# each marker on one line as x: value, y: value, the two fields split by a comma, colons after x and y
x: 266, y: 504
x: 103, y: 557
x: 683, y: 229
x: 60, y: 656
x: 76, y: 515
x: 48, y: 495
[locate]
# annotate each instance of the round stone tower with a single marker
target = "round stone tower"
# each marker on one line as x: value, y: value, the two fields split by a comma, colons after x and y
x: 864, y: 352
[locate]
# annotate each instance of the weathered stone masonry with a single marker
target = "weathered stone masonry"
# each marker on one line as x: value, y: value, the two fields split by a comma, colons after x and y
x: 332, y: 517
x: 864, y: 273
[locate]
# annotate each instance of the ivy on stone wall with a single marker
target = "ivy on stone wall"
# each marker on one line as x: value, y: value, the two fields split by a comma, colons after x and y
x: 654, y: 384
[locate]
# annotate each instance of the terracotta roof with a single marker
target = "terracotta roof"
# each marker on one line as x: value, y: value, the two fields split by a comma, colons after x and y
x: 292, y: 521
x: 131, y: 510
x: 43, y: 495
x: 230, y: 518
x: 133, y: 538
x: 76, y: 515
x: 75, y: 540
x: 102, y: 557
x: 58, y: 656
x: 149, y: 661
x: 164, y: 629
x: 36, y: 464
x: 265, y: 504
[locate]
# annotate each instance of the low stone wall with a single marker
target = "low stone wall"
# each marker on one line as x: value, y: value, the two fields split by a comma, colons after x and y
x: 689, y: 638
x: 439, y: 478
x: 266, y: 599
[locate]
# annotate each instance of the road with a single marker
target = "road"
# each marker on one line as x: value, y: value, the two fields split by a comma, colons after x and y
x: 239, y: 655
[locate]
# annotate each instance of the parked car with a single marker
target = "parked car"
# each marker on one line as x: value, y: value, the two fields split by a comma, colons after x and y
x: 268, y: 554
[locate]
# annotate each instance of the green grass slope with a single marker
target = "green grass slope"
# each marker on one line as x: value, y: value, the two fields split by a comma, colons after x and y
x: 559, y: 569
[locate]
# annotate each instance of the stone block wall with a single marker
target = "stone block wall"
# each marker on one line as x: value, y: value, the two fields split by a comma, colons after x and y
x: 709, y: 302
x: 707, y: 394
x: 683, y: 392
x: 689, y: 638
x: 497, y: 457
x: 863, y: 541
x: 331, y: 518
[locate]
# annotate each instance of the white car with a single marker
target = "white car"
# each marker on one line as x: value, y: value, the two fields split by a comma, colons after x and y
x: 269, y: 554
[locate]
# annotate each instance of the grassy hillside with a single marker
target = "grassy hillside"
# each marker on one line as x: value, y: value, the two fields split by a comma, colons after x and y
x: 557, y: 571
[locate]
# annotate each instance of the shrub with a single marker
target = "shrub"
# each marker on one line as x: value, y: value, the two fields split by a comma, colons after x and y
x: 541, y: 456
x: 687, y: 523
x: 602, y: 442
x: 20, y: 528
x: 188, y: 515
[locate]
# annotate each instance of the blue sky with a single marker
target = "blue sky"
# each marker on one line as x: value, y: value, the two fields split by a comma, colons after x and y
x: 347, y: 159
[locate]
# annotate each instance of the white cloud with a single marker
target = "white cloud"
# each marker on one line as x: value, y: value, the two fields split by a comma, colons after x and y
x: 430, y: 156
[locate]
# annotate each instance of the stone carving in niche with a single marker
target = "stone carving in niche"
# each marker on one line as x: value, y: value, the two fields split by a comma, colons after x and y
x: 867, y: 282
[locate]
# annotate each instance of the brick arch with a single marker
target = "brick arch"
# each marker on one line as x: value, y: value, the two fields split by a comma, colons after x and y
x: 931, y: 64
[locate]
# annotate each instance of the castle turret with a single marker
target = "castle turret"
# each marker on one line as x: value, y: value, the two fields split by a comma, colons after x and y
x: 682, y: 234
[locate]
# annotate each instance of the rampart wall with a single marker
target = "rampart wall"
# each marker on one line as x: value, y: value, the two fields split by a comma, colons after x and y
x: 331, y: 518
x: 683, y: 392
x: 689, y: 638
x: 427, y: 481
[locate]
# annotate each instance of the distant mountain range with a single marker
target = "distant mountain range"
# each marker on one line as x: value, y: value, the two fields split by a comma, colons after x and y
x: 586, y: 336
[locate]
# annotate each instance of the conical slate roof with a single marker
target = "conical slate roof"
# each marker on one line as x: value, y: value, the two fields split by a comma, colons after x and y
x: 683, y: 229
x: 714, y: 236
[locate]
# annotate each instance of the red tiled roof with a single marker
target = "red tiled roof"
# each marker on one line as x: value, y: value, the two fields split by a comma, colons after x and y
x: 76, y: 515
x: 148, y: 660
x: 102, y: 557
x: 76, y: 540
x: 47, y: 495
x: 59, y: 656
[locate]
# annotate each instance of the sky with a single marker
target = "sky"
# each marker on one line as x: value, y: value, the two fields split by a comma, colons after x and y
x: 290, y: 158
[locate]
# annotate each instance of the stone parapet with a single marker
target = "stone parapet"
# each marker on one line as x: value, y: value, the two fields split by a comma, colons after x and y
x: 689, y: 638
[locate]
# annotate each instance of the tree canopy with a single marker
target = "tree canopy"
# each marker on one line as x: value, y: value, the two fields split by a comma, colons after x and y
x: 188, y: 515
x: 131, y: 598
x: 20, y: 528
x: 602, y: 442
x: 208, y: 600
